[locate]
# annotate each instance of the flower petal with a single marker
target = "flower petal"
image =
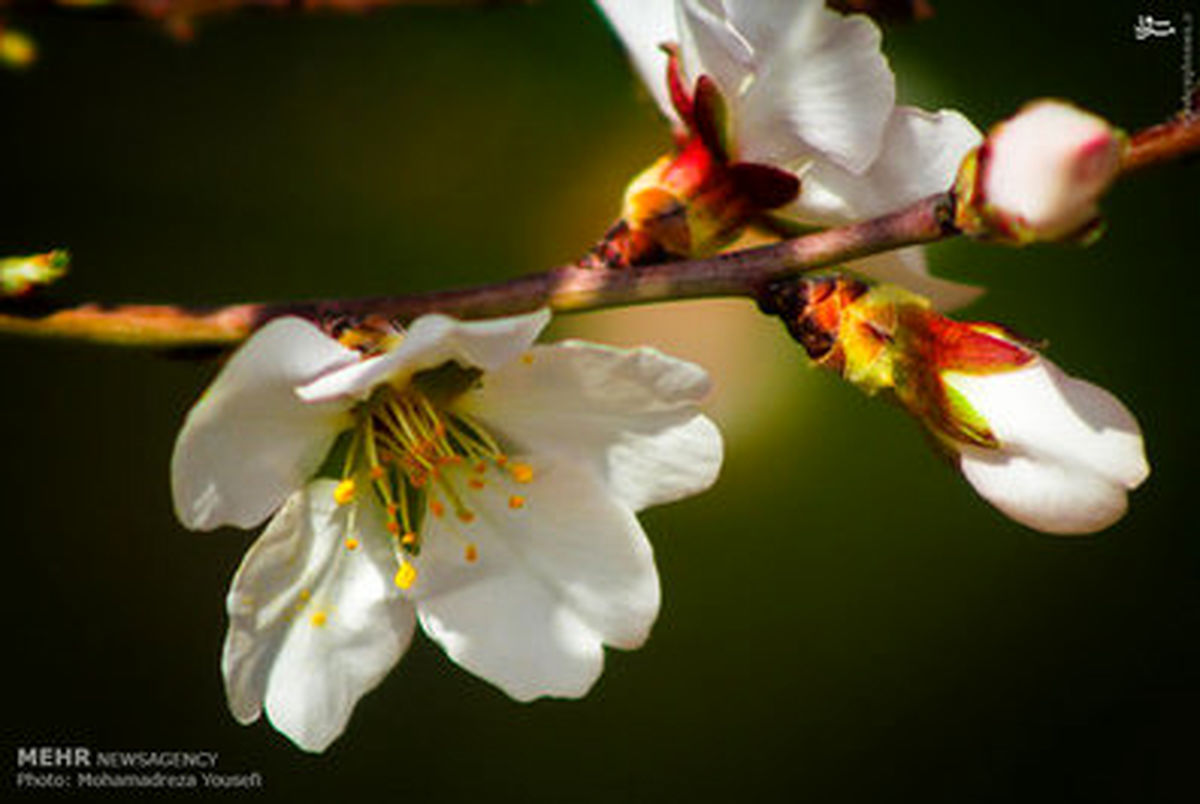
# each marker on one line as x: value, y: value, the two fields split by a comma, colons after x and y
x: 710, y: 45
x: 553, y: 580
x: 643, y: 26
x: 823, y: 85
x: 431, y: 341
x: 632, y: 415
x: 920, y: 156
x: 313, y: 625
x: 249, y: 441
x: 906, y: 267
x: 1069, y: 450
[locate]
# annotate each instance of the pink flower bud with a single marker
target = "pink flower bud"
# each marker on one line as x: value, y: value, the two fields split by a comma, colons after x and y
x: 1039, y: 174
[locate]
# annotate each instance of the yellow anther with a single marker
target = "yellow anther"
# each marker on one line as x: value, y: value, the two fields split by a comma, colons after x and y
x: 516, y: 501
x: 527, y: 358
x: 466, y: 516
x: 522, y: 472
x: 480, y: 467
x: 475, y: 483
x: 352, y: 543
x: 305, y: 594
x: 406, y: 576
x: 376, y: 472
x: 344, y: 491
x: 436, y: 508
x: 471, y: 553
x: 409, y: 539
x: 318, y: 618
x: 501, y: 459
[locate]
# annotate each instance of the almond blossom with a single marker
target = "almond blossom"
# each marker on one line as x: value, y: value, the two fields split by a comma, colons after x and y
x: 785, y: 87
x: 453, y: 475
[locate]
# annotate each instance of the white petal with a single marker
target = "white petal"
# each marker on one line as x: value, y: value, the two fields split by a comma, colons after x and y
x: 1069, y: 450
x: 553, y: 581
x: 1044, y: 495
x: 249, y: 441
x: 632, y: 415
x: 431, y: 341
x: 710, y: 45
x: 763, y: 22
x: 824, y: 85
x: 313, y: 626
x: 920, y: 156
x: 906, y: 267
x: 644, y: 25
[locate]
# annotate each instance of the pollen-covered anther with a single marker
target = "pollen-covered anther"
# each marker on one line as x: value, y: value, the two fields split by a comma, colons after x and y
x: 393, y: 527
x: 351, y: 543
x: 406, y: 575
x: 521, y: 472
x: 465, y: 515
x: 437, y: 508
x: 408, y: 539
x: 318, y: 618
x: 475, y: 483
x: 377, y: 472
x: 344, y: 491
x: 516, y: 502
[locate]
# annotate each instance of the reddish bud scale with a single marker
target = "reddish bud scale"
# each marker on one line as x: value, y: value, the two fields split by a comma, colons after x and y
x: 698, y: 200
x: 931, y: 345
x: 812, y: 310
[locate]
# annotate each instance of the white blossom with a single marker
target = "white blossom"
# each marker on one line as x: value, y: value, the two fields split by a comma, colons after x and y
x: 484, y: 487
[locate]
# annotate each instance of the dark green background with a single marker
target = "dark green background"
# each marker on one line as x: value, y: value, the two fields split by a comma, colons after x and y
x: 843, y: 619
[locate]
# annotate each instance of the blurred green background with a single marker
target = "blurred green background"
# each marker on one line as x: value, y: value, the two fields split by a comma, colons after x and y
x: 843, y: 619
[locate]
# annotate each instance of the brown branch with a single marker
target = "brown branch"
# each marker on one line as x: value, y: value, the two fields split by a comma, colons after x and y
x: 1163, y: 143
x: 570, y: 288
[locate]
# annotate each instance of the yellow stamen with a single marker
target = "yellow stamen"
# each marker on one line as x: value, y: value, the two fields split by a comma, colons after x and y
x: 344, y: 491
x: 475, y: 483
x: 318, y: 618
x: 516, y: 501
x: 437, y: 509
x: 527, y: 358
x: 376, y: 472
x: 466, y: 516
x: 409, y: 539
x: 471, y: 553
x: 351, y: 543
x: 522, y: 472
x: 406, y: 576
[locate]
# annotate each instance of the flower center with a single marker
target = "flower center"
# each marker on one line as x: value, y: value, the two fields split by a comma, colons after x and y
x: 419, y: 458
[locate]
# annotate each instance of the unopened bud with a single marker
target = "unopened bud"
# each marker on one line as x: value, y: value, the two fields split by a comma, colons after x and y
x: 1038, y: 175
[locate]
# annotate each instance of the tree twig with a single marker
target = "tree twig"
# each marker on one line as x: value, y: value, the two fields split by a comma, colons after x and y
x: 570, y: 288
